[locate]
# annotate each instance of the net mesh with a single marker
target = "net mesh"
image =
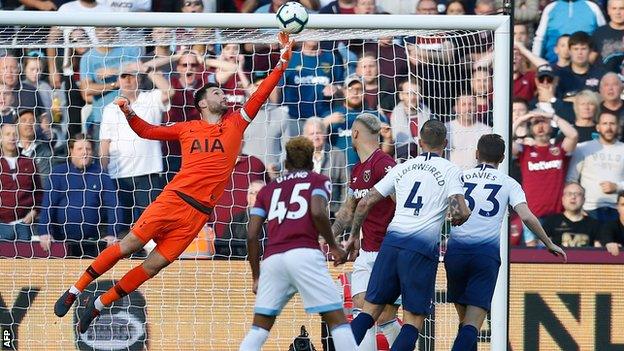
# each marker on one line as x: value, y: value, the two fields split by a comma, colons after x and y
x: 67, y: 76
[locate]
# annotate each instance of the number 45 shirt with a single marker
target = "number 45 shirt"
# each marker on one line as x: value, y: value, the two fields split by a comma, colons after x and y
x: 285, y: 203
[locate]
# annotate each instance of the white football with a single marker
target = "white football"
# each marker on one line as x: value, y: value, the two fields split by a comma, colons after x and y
x: 292, y: 17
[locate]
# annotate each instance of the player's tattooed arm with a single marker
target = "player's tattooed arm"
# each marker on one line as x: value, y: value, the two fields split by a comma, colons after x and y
x: 458, y: 209
x: 367, y: 202
x: 344, y: 216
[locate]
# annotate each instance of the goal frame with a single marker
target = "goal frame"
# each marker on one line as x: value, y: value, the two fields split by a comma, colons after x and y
x: 500, y: 25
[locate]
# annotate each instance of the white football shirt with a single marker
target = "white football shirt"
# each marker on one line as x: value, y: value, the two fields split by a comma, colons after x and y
x: 488, y: 193
x: 422, y: 186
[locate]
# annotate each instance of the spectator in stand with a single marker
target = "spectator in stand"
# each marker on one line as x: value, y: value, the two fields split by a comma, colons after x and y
x: 133, y: 162
x: 521, y: 34
x: 341, y: 121
x: 34, y: 145
x: 310, y: 83
x: 128, y: 5
x: 32, y: 77
x: 407, y: 118
x: 391, y: 62
x: 564, y: 17
x: 580, y: 74
x: 546, y: 82
x: 525, y: 80
x: 266, y: 136
x: 71, y: 78
x: 485, y: 7
x: 8, y: 113
x: 599, y: 167
x: 99, y: 72
x: 611, y: 88
x: 233, y: 243
x: 327, y: 161
x: 75, y: 194
x: 457, y: 7
x: 586, y: 110
x: 342, y: 7
x: 39, y: 5
x: 427, y: 7
x: 562, y: 50
x: 528, y: 13
x: 607, y: 39
x: 234, y: 199
x: 273, y: 5
x: 543, y: 164
x: 227, y: 72
x: 189, y: 76
x: 482, y: 90
x: 612, y: 233
x: 519, y: 108
x: 572, y: 228
x: 20, y: 193
x: 377, y: 96
x: 464, y: 132
x: 24, y: 94
x: 404, y: 7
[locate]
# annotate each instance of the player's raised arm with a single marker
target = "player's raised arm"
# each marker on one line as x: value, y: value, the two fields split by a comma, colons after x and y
x: 534, y: 225
x: 257, y: 99
x: 143, y: 129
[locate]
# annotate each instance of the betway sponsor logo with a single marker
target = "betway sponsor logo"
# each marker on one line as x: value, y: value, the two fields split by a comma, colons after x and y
x: 545, y: 165
x: 360, y: 193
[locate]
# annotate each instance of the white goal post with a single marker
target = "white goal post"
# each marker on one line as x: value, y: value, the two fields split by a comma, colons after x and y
x: 320, y: 27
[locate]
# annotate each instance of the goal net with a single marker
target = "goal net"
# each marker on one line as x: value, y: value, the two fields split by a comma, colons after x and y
x: 57, y: 83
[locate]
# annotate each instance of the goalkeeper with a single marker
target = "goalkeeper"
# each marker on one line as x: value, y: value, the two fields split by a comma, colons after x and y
x: 210, y: 147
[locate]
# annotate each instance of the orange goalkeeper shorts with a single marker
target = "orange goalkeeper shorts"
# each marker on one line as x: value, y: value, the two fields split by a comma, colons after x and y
x: 171, y: 223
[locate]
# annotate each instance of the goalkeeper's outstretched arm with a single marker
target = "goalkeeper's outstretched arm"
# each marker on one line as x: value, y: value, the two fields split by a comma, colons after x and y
x: 143, y: 129
x: 257, y: 99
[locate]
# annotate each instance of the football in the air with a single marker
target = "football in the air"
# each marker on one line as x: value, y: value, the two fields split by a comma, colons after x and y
x: 292, y: 17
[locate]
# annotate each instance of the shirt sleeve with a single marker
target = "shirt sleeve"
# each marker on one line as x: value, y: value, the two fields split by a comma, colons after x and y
x: 322, y: 187
x: 257, y: 99
x: 607, y: 233
x: 259, y: 208
x: 44, y: 216
x: 114, y: 212
x: 152, y: 132
x: 107, y: 126
x: 576, y: 165
x: 455, y: 181
x: 516, y: 194
x: 386, y: 185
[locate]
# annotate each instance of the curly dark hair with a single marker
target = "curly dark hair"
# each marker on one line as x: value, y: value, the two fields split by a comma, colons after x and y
x: 299, y: 151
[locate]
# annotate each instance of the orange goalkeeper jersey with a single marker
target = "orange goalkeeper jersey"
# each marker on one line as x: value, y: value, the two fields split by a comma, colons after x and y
x: 209, y: 151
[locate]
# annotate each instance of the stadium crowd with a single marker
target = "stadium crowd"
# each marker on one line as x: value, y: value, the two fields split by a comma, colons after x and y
x: 72, y: 170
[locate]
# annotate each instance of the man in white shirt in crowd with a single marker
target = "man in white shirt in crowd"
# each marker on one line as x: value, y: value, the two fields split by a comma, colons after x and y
x: 133, y: 162
x: 598, y: 165
x: 407, y: 118
x: 464, y: 132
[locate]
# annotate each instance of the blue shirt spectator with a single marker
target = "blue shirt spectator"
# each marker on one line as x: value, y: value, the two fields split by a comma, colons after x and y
x: 308, y: 81
x: 75, y: 193
x: 565, y: 17
x: 101, y: 66
x: 341, y: 120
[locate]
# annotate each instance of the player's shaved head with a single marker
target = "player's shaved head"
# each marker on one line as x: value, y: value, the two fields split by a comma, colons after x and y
x: 299, y: 151
x: 491, y: 148
x: 370, y: 121
x: 433, y: 134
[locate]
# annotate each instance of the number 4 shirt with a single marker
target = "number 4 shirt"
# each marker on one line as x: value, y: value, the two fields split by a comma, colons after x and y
x: 285, y: 203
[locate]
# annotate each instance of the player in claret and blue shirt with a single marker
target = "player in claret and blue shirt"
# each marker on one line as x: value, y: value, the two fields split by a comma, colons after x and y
x: 472, y: 258
x: 425, y: 187
x: 296, y: 208
x: 373, y: 166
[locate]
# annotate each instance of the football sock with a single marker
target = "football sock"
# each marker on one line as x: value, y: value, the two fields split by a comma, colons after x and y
x: 369, y: 343
x: 466, y: 339
x: 360, y: 325
x: 129, y: 283
x: 105, y: 261
x: 255, y: 338
x: 391, y: 330
x: 406, y: 340
x: 74, y: 290
x: 343, y: 337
